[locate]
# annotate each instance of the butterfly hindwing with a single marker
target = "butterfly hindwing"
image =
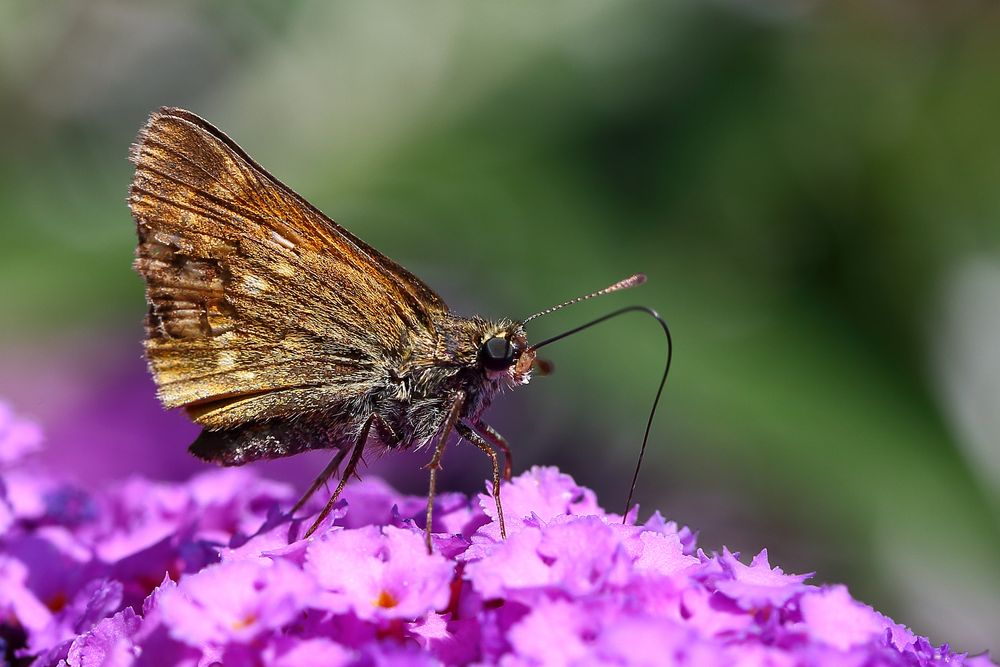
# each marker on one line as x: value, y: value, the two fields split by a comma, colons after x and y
x: 260, y: 307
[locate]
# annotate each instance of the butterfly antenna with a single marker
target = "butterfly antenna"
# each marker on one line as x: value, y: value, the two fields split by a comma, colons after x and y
x: 666, y: 368
x: 631, y: 281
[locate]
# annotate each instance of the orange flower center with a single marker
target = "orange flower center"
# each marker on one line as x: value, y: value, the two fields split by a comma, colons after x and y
x: 386, y: 600
x: 244, y: 622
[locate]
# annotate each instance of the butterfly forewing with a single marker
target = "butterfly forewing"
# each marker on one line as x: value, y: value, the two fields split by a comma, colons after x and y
x: 259, y: 305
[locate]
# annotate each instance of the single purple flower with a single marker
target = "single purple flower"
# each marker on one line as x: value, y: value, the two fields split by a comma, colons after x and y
x: 234, y: 501
x: 663, y: 554
x: 833, y: 617
x: 541, y: 492
x: 235, y: 601
x: 555, y: 632
x: 372, y: 502
x: 137, y: 514
x: 586, y: 554
x: 756, y: 585
x: 650, y: 641
x: 96, y: 600
x: 509, y: 565
x: 154, y: 644
x: 377, y: 573
x: 30, y: 493
x: 110, y: 643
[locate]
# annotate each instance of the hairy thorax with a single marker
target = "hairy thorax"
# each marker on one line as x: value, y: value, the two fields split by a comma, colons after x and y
x: 421, y: 384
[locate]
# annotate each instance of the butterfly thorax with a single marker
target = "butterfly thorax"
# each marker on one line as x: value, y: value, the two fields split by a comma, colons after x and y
x: 434, y: 369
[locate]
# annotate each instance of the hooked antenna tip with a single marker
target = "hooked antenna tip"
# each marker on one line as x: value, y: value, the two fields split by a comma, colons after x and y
x: 631, y: 281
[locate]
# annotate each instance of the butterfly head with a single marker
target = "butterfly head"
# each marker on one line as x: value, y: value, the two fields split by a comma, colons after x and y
x: 504, y: 355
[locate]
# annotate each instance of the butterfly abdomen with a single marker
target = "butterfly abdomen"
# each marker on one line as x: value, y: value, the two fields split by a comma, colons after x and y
x: 272, y: 439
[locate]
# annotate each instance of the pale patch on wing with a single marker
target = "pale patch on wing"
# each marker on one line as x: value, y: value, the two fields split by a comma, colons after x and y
x: 281, y: 240
x: 255, y: 284
x: 284, y: 269
x: 226, y: 360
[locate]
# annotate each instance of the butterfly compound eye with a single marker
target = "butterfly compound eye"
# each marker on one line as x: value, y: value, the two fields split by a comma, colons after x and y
x: 497, y: 354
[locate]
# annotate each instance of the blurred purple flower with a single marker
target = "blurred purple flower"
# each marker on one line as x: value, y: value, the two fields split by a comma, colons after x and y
x: 18, y: 437
x: 213, y: 571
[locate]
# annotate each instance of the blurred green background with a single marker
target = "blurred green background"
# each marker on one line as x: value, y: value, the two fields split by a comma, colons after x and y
x: 813, y: 189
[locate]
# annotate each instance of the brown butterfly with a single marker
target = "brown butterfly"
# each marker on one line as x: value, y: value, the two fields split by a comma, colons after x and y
x: 279, y: 331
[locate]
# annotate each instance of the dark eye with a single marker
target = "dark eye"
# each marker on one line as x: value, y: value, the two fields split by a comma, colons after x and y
x: 497, y: 354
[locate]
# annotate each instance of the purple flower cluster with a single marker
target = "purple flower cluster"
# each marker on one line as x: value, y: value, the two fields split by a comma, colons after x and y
x: 214, y: 572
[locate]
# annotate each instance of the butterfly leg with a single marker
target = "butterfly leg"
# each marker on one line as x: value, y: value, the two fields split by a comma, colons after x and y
x: 327, y: 473
x: 500, y: 443
x: 435, y: 464
x: 478, y: 441
x: 352, y: 464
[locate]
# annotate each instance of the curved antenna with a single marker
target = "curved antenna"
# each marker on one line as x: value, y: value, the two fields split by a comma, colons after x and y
x: 631, y: 281
x: 659, y: 391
